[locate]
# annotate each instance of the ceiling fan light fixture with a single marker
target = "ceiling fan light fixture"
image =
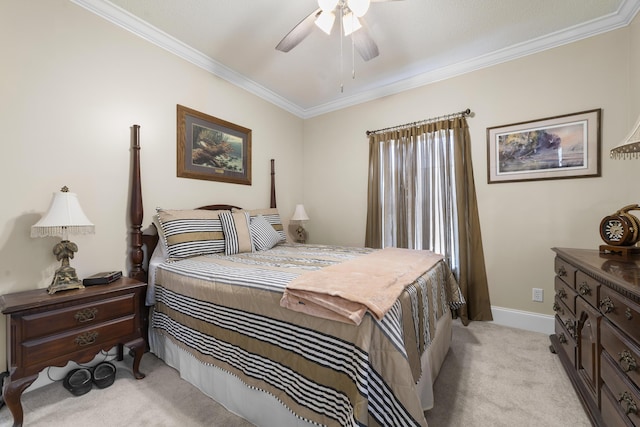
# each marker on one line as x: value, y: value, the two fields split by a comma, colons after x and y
x: 350, y: 23
x: 327, y: 5
x: 359, y: 7
x: 325, y: 21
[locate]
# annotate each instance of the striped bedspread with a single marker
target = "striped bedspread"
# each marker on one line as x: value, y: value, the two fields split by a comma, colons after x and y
x: 224, y: 310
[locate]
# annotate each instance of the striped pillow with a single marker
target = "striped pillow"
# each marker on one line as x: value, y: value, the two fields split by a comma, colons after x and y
x: 188, y: 233
x: 264, y: 236
x: 273, y: 217
x: 237, y: 235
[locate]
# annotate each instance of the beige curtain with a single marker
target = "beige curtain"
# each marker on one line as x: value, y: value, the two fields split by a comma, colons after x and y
x: 422, y: 196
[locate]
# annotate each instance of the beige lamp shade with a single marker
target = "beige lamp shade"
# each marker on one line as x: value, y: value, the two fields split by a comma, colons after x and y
x: 630, y: 148
x: 64, y: 216
x: 300, y: 214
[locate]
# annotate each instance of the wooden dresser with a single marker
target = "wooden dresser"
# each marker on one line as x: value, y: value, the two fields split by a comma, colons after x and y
x: 50, y: 330
x: 597, y: 332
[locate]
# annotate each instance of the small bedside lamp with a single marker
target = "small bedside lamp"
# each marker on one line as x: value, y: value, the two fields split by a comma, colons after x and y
x: 64, y: 217
x: 300, y: 215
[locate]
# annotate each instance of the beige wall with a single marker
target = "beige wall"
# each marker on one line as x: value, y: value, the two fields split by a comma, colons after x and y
x: 72, y: 86
x: 520, y: 221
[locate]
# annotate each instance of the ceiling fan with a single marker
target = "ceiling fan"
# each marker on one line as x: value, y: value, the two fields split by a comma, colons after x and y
x: 348, y: 13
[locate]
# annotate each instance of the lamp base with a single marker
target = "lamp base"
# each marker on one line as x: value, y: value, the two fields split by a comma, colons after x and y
x: 64, y: 279
x: 301, y: 234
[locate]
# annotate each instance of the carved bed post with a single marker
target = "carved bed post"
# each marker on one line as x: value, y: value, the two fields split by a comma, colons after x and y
x: 136, y: 212
x: 273, y: 185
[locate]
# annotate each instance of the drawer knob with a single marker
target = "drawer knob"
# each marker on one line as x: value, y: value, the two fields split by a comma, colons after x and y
x: 571, y: 327
x: 626, y: 399
x: 87, y: 338
x: 627, y: 361
x: 628, y: 314
x: 606, y: 305
x: 86, y: 315
x: 562, y: 271
x: 562, y: 338
x: 556, y: 308
x: 562, y: 293
x: 585, y: 289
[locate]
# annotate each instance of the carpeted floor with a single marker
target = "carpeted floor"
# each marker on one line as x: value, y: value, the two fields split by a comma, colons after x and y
x: 493, y: 376
x: 498, y: 376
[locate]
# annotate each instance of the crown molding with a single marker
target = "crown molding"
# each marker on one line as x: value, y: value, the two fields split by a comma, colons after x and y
x: 621, y: 18
x: 118, y: 16
x: 144, y: 30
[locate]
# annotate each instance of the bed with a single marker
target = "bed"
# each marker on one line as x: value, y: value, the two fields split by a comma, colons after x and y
x: 218, y: 316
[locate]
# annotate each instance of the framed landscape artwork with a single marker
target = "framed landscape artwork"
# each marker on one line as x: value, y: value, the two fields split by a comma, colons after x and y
x: 212, y: 149
x: 566, y: 146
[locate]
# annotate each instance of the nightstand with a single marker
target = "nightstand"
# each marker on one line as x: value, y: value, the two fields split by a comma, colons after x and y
x: 51, y: 330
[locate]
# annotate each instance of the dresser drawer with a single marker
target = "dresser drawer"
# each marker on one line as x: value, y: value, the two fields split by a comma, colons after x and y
x: 565, y: 271
x: 565, y: 317
x: 611, y: 410
x: 560, y: 308
x: 587, y: 287
x: 567, y: 343
x: 622, y: 351
x: 626, y: 396
x: 566, y: 294
x: 622, y: 312
x: 43, y: 350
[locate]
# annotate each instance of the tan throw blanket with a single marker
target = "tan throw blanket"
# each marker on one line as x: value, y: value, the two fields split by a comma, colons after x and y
x: 345, y: 291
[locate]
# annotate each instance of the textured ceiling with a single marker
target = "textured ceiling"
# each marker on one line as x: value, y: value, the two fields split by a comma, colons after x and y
x: 420, y: 41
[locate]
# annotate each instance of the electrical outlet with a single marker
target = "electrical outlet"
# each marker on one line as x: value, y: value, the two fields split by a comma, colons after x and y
x: 538, y: 295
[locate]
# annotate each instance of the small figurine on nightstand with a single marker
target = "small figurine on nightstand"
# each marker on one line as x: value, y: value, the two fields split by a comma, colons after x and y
x: 300, y: 215
x: 301, y: 234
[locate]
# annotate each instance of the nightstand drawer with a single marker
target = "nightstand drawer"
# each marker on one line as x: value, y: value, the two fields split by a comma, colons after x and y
x: 78, y: 316
x: 43, y: 350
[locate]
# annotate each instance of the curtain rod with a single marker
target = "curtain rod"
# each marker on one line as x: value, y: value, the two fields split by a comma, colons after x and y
x: 434, y: 119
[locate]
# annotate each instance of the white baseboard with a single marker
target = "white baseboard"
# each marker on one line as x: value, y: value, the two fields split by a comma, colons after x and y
x: 527, y: 320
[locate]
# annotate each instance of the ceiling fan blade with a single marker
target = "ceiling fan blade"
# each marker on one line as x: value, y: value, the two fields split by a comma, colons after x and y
x: 364, y: 44
x: 298, y: 33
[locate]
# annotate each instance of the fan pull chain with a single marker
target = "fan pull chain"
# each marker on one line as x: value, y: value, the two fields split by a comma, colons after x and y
x: 353, y: 59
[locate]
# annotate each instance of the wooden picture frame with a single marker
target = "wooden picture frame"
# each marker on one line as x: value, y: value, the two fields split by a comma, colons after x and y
x: 212, y: 149
x: 566, y: 146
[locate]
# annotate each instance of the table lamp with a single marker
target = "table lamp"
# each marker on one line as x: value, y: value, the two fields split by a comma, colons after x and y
x: 64, y: 217
x: 300, y: 215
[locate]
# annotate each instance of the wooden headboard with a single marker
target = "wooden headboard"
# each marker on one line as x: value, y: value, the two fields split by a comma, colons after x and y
x: 138, y: 239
